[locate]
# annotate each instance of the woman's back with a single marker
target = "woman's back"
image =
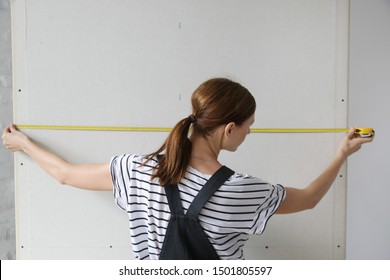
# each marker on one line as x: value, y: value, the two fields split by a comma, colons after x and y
x: 241, y: 206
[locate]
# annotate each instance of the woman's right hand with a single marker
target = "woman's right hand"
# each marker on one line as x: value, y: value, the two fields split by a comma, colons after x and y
x: 13, y: 139
x: 85, y: 176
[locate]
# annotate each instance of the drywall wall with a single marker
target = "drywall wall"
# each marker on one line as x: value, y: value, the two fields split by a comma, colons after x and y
x: 136, y: 63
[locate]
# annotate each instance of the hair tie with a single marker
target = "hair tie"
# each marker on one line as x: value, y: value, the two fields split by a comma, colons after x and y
x: 192, y: 118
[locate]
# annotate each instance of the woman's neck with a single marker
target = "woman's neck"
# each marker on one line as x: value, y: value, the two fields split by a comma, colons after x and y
x: 204, y: 155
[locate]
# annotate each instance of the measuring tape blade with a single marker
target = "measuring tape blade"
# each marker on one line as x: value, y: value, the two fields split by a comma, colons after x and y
x: 94, y: 128
x: 167, y: 129
x: 299, y: 130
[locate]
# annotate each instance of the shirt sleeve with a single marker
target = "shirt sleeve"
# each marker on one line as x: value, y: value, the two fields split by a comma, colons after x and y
x: 119, y: 166
x: 268, y: 208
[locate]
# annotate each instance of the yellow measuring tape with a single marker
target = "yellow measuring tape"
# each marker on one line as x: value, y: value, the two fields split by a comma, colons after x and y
x: 365, y: 132
x: 95, y: 128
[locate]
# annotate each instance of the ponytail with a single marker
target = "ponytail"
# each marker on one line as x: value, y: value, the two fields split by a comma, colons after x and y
x: 173, y: 165
x: 215, y: 102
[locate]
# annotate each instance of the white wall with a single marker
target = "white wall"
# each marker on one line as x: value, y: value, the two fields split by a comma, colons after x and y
x: 7, y: 206
x: 291, y: 55
x: 368, y: 225
x: 368, y: 206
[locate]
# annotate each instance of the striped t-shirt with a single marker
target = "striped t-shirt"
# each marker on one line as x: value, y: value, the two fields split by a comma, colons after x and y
x: 240, y: 207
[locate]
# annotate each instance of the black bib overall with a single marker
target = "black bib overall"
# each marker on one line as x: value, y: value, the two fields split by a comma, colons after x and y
x: 185, y: 238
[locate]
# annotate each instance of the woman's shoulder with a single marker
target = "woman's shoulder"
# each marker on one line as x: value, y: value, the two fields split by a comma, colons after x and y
x: 135, y: 158
x: 235, y: 180
x: 245, y: 178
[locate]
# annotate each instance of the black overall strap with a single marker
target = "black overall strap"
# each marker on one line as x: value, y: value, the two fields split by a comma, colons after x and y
x: 207, y: 191
x: 211, y: 186
x: 185, y: 238
x: 173, y: 196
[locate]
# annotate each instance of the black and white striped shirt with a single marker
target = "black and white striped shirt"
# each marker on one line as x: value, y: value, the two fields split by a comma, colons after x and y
x: 240, y: 207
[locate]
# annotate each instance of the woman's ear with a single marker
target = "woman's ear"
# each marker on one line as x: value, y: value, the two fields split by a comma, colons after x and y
x: 229, y: 128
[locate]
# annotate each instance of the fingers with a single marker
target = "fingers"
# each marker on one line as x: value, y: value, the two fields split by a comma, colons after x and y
x: 362, y: 140
x: 366, y: 140
x: 359, y: 140
x: 5, y: 132
x: 351, y: 133
x: 8, y: 138
x: 12, y: 128
x: 352, y: 142
x: 4, y: 137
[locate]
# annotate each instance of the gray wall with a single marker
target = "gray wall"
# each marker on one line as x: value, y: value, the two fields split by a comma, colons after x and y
x: 281, y: 50
x: 7, y: 207
x: 368, y: 207
x: 368, y: 225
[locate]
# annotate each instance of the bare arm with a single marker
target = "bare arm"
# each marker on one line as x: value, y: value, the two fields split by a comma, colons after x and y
x: 85, y: 176
x: 302, y: 199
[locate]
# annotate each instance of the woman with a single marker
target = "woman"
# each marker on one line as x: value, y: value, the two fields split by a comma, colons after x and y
x: 222, y: 113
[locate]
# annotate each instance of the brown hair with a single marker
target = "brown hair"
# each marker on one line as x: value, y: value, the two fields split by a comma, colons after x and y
x: 215, y: 102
